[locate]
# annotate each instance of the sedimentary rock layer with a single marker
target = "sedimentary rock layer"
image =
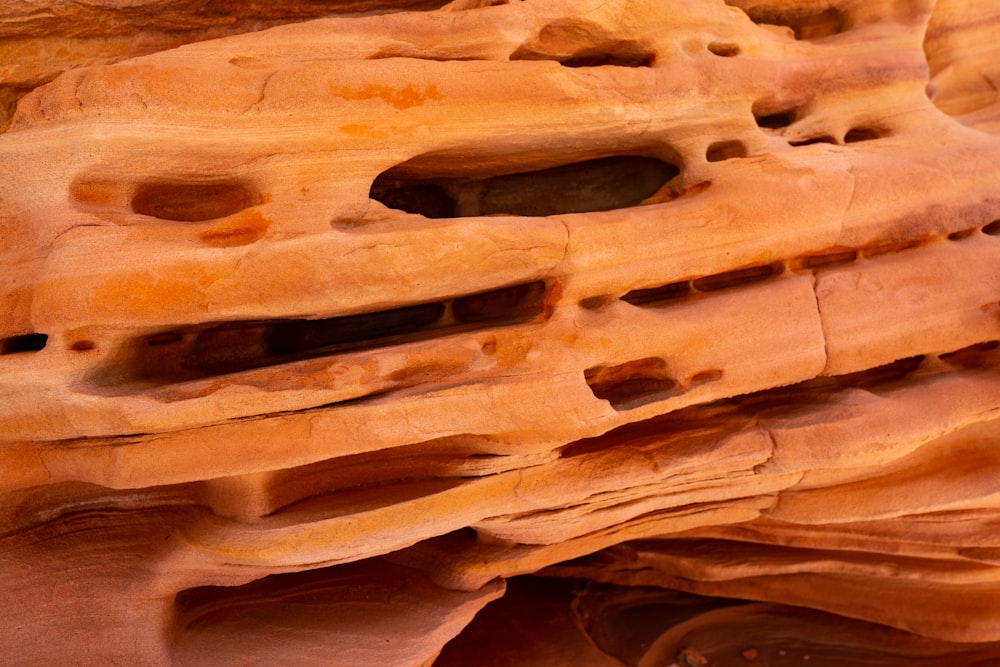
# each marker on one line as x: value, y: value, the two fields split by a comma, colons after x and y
x: 325, y: 324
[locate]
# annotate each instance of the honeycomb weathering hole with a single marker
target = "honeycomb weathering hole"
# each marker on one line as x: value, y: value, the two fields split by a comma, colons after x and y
x: 659, y: 295
x: 738, y: 277
x: 829, y: 258
x: 772, y: 117
x: 885, y: 373
x: 582, y: 43
x: 622, y: 54
x: 805, y: 21
x: 633, y: 383
x: 992, y: 229
x: 655, y: 296
x: 517, y: 302
x: 725, y: 150
x: 192, y: 202
x: 306, y: 335
x: 618, y: 54
x: 652, y: 295
x: 724, y: 49
x: 602, y: 184
x: 857, y: 134
x: 962, y: 234
x: 821, y: 139
x: 239, y: 346
x: 32, y: 342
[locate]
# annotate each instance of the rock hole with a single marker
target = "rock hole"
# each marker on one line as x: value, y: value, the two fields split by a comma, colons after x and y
x: 963, y: 234
x: 725, y: 150
x: 32, y: 342
x: 724, y: 49
x: 238, y: 346
x: 654, y: 295
x: 702, y: 377
x: 582, y: 187
x: 673, y: 291
x: 582, y: 43
x: 595, y: 302
x: 308, y: 335
x: 632, y: 384
x: 769, y: 117
x: 805, y: 22
x: 623, y: 54
x: 893, y: 246
x: 430, y: 201
x: 862, y: 134
x: 776, y: 121
x: 890, y: 372
x: 83, y: 345
x: 738, y: 277
x: 594, y: 185
x: 829, y: 259
x: 519, y: 302
x: 168, y: 338
x: 992, y: 229
x: 191, y: 202
x: 822, y: 139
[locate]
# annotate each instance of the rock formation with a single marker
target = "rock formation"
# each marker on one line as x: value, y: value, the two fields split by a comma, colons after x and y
x: 544, y: 332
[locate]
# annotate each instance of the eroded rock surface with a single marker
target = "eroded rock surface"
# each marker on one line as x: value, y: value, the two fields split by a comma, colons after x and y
x: 484, y: 333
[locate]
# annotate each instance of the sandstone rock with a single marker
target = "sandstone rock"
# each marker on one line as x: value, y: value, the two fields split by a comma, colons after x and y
x: 326, y: 322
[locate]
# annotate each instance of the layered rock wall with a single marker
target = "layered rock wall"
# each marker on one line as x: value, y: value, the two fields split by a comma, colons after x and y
x: 327, y: 323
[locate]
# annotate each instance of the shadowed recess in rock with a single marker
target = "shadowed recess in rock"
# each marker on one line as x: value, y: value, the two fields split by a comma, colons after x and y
x: 289, y: 618
x: 808, y: 20
x: 624, y: 53
x: 725, y: 150
x: 773, y: 116
x: 593, y: 185
x: 695, y: 631
x: 237, y: 346
x: 192, y: 202
x: 835, y: 256
x: 654, y: 296
x: 583, y: 43
x: 633, y: 383
x: 317, y: 335
x: 32, y: 342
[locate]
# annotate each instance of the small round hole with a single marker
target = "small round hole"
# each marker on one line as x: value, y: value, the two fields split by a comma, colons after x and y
x: 993, y: 229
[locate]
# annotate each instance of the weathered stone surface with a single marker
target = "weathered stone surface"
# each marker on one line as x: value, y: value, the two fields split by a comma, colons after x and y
x: 326, y: 323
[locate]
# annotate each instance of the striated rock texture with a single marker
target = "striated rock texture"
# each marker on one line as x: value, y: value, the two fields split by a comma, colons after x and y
x: 545, y: 332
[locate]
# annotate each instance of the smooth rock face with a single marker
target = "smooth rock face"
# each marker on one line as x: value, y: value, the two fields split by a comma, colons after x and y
x: 541, y: 332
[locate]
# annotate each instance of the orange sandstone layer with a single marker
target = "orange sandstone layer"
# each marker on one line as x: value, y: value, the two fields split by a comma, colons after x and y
x: 325, y: 324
